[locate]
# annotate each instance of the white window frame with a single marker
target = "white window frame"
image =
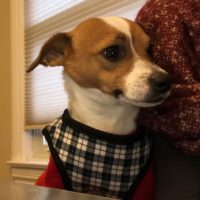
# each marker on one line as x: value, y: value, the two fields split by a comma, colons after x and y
x: 22, y: 169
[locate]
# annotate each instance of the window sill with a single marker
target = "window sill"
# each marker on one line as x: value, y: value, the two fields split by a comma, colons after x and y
x: 26, y: 172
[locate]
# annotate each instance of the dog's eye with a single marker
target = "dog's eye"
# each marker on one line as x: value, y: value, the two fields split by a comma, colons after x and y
x: 114, y: 53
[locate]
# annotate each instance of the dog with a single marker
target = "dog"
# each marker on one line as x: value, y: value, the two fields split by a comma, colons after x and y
x: 109, y: 75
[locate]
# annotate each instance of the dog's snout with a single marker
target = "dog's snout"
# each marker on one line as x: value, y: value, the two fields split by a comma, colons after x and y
x: 160, y: 82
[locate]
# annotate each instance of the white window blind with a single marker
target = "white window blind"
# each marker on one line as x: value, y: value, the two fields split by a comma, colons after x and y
x: 45, y: 97
x: 40, y: 10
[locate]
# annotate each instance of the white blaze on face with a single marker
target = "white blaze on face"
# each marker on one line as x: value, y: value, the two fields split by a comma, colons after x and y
x: 119, y: 24
x: 122, y: 26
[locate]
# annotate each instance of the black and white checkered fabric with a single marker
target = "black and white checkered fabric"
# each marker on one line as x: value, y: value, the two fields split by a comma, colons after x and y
x: 98, y: 162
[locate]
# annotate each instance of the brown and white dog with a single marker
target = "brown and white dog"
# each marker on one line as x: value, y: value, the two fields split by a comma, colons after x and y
x: 109, y: 74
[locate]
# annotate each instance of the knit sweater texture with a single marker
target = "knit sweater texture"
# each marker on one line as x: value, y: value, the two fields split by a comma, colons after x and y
x: 174, y: 29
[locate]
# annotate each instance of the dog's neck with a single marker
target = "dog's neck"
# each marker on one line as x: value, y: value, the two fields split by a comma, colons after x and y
x: 100, y: 111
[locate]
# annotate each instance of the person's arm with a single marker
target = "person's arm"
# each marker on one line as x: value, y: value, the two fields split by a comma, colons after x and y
x: 179, y: 117
x: 174, y: 27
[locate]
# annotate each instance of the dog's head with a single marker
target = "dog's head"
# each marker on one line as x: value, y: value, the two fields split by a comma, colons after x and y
x: 109, y: 54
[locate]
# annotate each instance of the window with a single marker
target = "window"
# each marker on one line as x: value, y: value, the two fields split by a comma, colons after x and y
x: 43, y: 100
x: 36, y: 99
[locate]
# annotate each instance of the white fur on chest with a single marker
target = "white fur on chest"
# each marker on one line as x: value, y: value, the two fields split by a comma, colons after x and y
x: 100, y: 111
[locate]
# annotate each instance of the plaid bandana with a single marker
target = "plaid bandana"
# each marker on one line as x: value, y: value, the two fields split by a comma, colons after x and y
x: 93, y: 161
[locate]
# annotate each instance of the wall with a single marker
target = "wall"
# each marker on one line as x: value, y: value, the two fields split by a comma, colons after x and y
x: 5, y: 88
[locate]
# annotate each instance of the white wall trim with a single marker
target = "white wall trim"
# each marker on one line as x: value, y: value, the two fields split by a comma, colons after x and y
x: 20, y: 141
x: 27, y: 172
x: 17, y: 79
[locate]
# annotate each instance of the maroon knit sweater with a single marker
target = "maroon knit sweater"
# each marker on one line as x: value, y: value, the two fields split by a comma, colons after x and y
x: 174, y: 27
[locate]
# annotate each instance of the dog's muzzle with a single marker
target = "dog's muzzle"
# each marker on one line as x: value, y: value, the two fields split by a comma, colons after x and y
x: 159, y: 87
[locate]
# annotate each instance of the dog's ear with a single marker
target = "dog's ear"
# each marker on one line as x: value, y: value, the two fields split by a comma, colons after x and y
x: 53, y: 51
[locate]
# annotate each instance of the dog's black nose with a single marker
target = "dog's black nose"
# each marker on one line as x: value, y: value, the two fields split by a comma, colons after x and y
x: 160, y: 82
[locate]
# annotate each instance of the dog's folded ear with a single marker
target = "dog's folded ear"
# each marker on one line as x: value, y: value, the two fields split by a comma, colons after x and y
x: 53, y: 51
